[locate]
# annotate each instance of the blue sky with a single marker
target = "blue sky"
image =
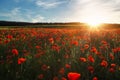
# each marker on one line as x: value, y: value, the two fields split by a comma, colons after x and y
x: 107, y: 11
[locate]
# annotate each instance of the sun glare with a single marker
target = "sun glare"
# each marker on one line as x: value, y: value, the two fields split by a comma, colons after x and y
x: 93, y: 21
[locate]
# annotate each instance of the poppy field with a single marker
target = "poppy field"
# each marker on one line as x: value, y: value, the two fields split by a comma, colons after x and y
x: 59, y: 54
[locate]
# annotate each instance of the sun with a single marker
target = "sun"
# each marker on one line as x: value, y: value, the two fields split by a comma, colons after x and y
x: 94, y: 21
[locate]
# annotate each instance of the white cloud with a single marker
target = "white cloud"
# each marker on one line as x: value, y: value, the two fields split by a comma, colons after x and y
x: 79, y: 10
x: 48, y: 4
x: 17, y: 1
x: 14, y: 15
x: 37, y: 18
x: 107, y: 10
x: 17, y: 15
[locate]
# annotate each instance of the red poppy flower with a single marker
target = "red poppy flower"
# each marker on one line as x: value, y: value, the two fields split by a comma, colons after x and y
x: 40, y: 76
x: 62, y: 71
x: 114, y: 50
x: 21, y: 60
x: 15, y: 51
x: 94, y: 50
x: 44, y: 67
x: 112, y: 70
x: 55, y: 78
x: 56, y: 47
x: 37, y: 47
x: 66, y: 56
x: 73, y: 76
x: 83, y: 59
x: 112, y: 56
x: 104, y: 63
x: 113, y: 65
x: 75, y: 43
x: 67, y: 65
x: 104, y: 42
x: 91, y: 59
x: 51, y: 40
x: 9, y: 36
x: 63, y: 78
x: 95, y: 78
x: 91, y: 69
x: 86, y: 46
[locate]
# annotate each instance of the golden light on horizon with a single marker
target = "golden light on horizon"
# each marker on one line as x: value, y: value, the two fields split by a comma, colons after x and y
x: 94, y: 21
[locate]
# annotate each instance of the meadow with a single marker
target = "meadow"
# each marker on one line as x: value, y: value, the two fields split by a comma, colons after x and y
x: 59, y: 54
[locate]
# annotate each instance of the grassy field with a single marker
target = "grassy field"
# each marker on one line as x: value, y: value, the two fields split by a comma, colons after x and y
x: 59, y: 54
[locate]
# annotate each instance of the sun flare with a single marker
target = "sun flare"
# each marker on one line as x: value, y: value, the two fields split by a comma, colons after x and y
x: 94, y: 21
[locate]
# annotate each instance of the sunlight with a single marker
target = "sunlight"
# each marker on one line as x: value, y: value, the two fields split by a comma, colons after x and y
x: 93, y: 22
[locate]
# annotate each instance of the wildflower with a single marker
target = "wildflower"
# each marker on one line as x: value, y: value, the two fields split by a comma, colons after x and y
x: 83, y: 59
x: 55, y: 78
x: 95, y: 78
x: 104, y: 42
x: 63, y: 78
x: 40, y: 76
x: 74, y: 43
x: 115, y: 50
x: 82, y: 50
x: 15, y: 51
x: 37, y: 47
x: 56, y: 47
x: 94, y: 50
x: 86, y: 46
x: 21, y: 60
x: 111, y: 70
x: 37, y: 55
x: 111, y: 56
x: 9, y: 36
x: 66, y: 56
x: 51, y: 40
x: 63, y: 43
x: 104, y: 63
x: 113, y: 65
x: 67, y: 66
x: 73, y: 76
x: 62, y: 71
x: 91, y: 69
x: 91, y: 59
x: 44, y: 67
x: 6, y: 41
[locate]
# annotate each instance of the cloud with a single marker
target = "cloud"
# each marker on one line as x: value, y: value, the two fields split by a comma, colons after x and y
x: 17, y: 1
x: 107, y: 10
x: 18, y: 14
x: 48, y: 4
x: 72, y: 10
x: 36, y: 18
x: 14, y: 15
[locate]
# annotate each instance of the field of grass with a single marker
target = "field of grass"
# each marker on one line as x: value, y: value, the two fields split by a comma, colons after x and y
x: 59, y: 54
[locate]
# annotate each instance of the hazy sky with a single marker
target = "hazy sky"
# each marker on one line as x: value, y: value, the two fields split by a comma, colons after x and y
x: 60, y: 10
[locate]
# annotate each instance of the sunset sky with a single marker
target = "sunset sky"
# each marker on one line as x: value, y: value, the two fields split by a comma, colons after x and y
x: 107, y: 11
